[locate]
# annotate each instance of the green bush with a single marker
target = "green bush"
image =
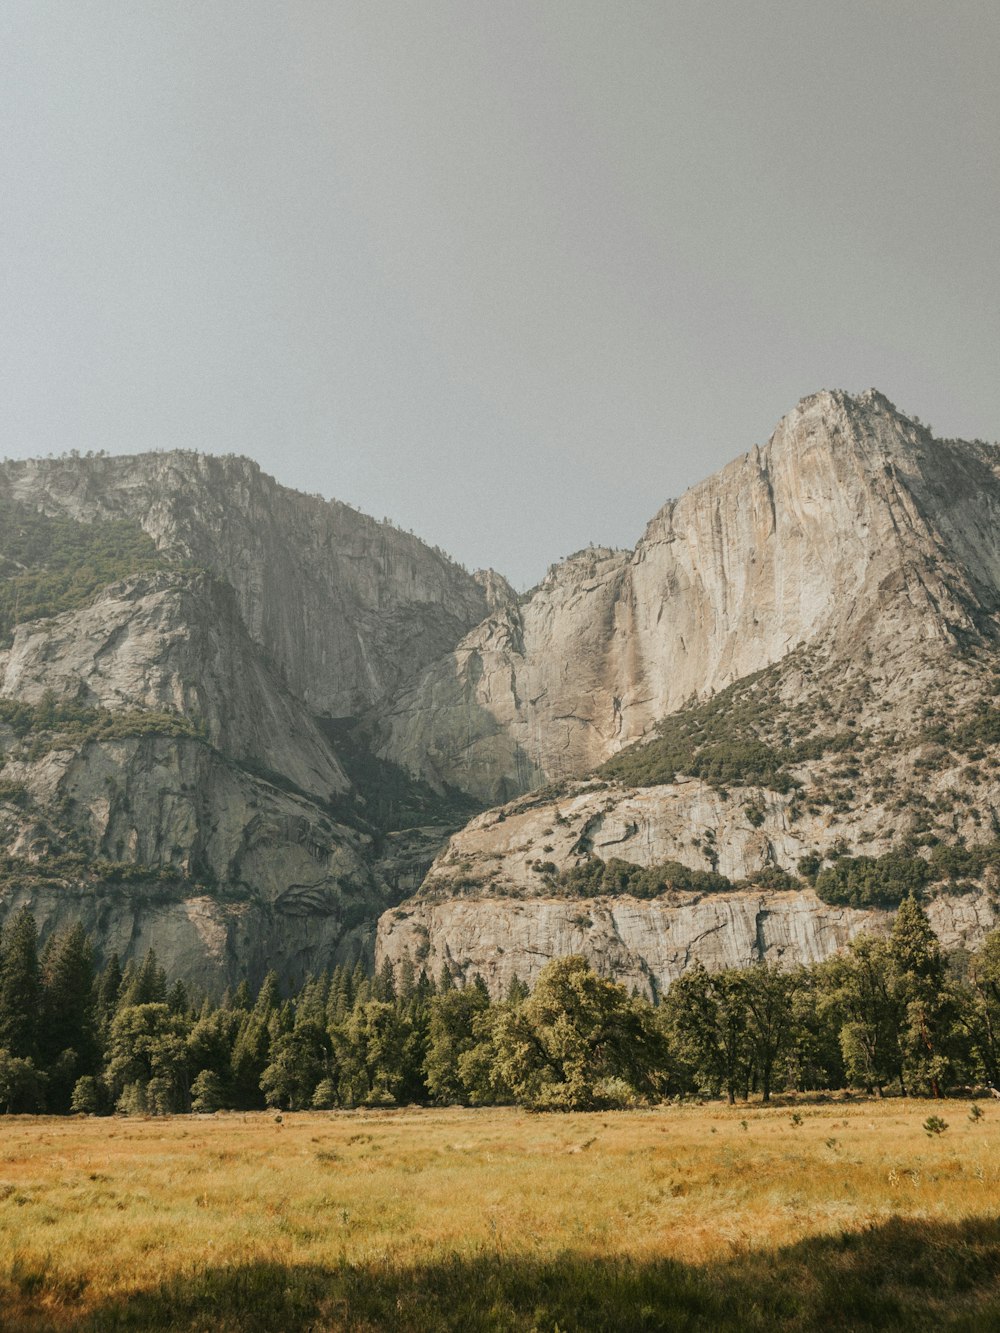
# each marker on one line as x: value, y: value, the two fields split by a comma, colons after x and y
x: 14, y: 793
x: 874, y: 881
x: 596, y: 878
x: 54, y: 723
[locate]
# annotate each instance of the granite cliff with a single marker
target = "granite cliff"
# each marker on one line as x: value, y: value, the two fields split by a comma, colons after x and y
x: 170, y: 769
x: 852, y: 530
x: 791, y: 678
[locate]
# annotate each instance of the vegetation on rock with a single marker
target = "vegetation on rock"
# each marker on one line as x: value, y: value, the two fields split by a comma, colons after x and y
x: 51, y: 563
x: 727, y: 741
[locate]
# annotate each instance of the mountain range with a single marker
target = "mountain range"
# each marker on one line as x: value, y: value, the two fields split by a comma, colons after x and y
x: 255, y: 729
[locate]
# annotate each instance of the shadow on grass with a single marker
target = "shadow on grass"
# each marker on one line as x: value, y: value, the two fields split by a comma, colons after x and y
x: 901, y: 1275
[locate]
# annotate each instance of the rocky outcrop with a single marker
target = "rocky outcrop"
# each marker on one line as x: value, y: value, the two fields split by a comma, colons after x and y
x: 741, y: 833
x: 346, y: 607
x: 645, y: 945
x: 851, y: 530
x: 202, y: 854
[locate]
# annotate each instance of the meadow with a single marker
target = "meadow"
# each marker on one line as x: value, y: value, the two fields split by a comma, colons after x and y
x: 822, y: 1214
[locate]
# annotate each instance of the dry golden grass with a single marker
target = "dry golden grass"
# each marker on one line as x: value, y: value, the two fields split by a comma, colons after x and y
x: 687, y: 1217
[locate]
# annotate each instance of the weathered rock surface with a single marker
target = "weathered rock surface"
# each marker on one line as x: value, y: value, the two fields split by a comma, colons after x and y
x: 645, y: 945
x: 348, y: 608
x: 232, y: 874
x: 175, y: 642
x: 741, y: 834
x: 208, y: 942
x: 851, y: 529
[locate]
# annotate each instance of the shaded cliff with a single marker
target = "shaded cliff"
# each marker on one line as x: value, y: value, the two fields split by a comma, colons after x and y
x: 165, y: 773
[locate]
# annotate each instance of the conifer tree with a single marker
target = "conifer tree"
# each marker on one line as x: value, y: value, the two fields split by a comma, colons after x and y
x: 20, y: 987
x: 919, y: 986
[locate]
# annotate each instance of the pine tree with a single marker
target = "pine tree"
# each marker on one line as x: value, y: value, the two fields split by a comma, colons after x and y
x: 926, y: 1002
x: 20, y: 987
x: 69, y: 1022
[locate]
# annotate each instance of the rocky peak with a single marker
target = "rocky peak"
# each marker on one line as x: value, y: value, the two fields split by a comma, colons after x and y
x: 851, y: 527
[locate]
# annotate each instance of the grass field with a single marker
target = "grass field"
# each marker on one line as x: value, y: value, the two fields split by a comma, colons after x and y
x: 678, y: 1218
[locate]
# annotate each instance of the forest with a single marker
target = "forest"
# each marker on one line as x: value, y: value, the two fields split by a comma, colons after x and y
x: 890, y: 1014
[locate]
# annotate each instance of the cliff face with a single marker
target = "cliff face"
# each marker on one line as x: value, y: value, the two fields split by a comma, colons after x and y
x: 646, y: 945
x: 163, y: 773
x: 174, y: 641
x: 346, y: 607
x: 851, y: 529
x: 223, y: 874
x: 494, y: 901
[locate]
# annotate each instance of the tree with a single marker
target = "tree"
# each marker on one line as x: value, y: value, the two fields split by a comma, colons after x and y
x: 706, y: 1016
x: 147, y: 1055
x: 578, y: 1042
x: 814, y: 1058
x: 918, y: 981
x: 368, y: 1050
x: 68, y: 1036
x: 22, y: 1086
x: 299, y: 1059
x: 210, y: 1045
x: 450, y: 1035
x: 145, y: 984
x: 86, y: 1098
x: 207, y: 1093
x: 252, y: 1043
x: 20, y: 987
x: 768, y: 994
x: 858, y: 995
x: 108, y: 987
x: 980, y: 1015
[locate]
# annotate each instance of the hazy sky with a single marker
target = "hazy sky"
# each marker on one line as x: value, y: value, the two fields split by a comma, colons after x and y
x: 512, y: 273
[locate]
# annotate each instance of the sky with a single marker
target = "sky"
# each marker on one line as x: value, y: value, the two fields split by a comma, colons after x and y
x: 511, y: 274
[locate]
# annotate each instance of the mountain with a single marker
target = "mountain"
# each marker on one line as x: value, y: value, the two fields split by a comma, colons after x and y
x: 180, y: 636
x: 851, y: 530
x: 785, y: 697
x: 242, y: 725
x: 345, y: 607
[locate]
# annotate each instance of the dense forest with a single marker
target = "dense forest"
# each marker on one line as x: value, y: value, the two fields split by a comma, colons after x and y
x: 891, y: 1013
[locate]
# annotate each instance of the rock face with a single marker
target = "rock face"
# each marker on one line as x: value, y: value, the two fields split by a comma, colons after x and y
x: 851, y: 528
x: 645, y: 945
x: 346, y: 607
x: 176, y: 642
x: 489, y: 903
x: 184, y: 759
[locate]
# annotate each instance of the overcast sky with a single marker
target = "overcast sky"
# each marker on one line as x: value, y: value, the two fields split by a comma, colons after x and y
x: 510, y: 272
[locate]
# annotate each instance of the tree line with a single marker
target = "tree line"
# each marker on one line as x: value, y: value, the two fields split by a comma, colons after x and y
x: 890, y: 1013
